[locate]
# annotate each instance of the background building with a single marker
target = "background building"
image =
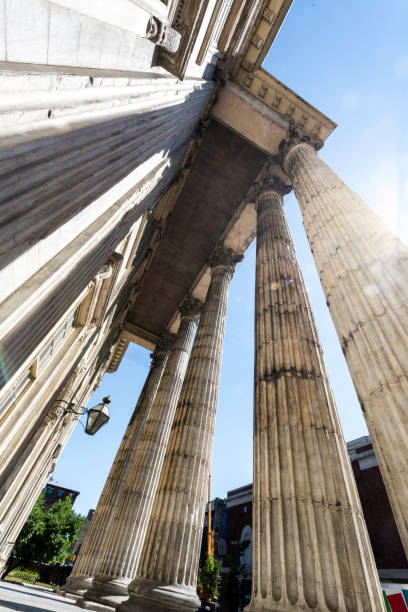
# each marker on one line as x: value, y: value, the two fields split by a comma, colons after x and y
x: 386, y: 543
x: 219, y: 524
x: 55, y: 492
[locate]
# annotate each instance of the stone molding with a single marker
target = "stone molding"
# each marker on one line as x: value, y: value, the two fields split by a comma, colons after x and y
x: 186, y: 18
x: 284, y: 101
x: 117, y: 355
x: 257, y: 32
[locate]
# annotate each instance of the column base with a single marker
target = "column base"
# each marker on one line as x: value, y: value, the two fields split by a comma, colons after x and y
x: 86, y: 604
x: 150, y: 596
x: 75, y: 587
x: 105, y: 595
x: 269, y: 605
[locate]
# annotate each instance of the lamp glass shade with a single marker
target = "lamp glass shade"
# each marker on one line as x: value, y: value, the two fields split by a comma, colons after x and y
x: 97, y: 417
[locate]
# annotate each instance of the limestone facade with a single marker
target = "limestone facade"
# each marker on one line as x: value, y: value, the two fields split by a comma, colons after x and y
x: 135, y: 145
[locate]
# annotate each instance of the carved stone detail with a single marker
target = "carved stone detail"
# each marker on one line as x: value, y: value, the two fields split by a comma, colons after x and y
x: 190, y: 307
x: 162, y: 34
x: 268, y: 15
x: 270, y: 182
x: 295, y: 137
x: 55, y: 412
x: 104, y: 272
x: 162, y: 349
x: 225, y: 257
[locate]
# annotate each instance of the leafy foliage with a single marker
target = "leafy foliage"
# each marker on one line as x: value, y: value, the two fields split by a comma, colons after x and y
x: 209, y: 578
x: 48, y: 533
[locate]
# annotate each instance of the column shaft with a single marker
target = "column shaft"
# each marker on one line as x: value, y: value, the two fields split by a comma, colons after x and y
x: 363, y: 267
x: 81, y: 576
x: 310, y: 550
x: 167, y: 573
x: 118, y: 561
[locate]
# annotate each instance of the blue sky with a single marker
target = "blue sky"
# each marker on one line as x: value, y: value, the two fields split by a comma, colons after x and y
x: 350, y: 60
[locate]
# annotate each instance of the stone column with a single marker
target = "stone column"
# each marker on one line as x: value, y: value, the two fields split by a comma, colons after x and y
x: 118, y: 561
x: 310, y: 545
x: 92, y: 548
x: 167, y: 573
x: 363, y: 267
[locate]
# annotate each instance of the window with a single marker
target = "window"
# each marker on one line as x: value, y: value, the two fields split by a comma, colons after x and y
x: 56, y: 341
x: 13, y: 393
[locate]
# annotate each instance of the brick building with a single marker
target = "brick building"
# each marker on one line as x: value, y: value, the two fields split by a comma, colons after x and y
x: 54, y: 492
x: 388, y: 551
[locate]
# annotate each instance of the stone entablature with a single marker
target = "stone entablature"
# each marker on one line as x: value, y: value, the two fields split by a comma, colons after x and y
x: 276, y: 96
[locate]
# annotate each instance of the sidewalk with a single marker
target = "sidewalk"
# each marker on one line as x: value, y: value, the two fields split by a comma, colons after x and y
x: 29, y: 598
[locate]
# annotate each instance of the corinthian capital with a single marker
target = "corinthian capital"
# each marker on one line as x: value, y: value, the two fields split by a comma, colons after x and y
x: 270, y: 182
x: 225, y: 257
x: 296, y: 136
x: 163, y: 347
x: 190, y: 307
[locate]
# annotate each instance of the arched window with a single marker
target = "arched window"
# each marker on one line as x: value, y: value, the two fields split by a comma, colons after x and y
x: 246, y: 558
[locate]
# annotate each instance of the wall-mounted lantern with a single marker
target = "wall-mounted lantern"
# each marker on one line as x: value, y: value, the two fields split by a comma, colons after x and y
x: 97, y: 417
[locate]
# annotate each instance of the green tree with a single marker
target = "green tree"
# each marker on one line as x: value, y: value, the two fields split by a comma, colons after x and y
x: 209, y: 578
x: 47, y: 534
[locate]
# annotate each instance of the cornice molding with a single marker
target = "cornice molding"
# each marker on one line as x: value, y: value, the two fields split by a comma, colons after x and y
x: 261, y: 34
x: 117, y: 354
x: 276, y: 96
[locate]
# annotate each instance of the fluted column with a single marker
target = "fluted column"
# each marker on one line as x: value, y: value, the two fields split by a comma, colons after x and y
x: 310, y: 545
x: 117, y: 564
x: 92, y: 548
x: 363, y: 267
x: 167, y: 573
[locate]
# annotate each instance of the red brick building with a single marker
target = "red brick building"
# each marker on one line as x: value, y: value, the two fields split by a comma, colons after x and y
x: 388, y: 552
x: 54, y: 492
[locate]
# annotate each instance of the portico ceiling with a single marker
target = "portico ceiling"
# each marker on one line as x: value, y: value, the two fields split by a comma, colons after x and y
x: 223, y: 172
x: 244, y: 133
